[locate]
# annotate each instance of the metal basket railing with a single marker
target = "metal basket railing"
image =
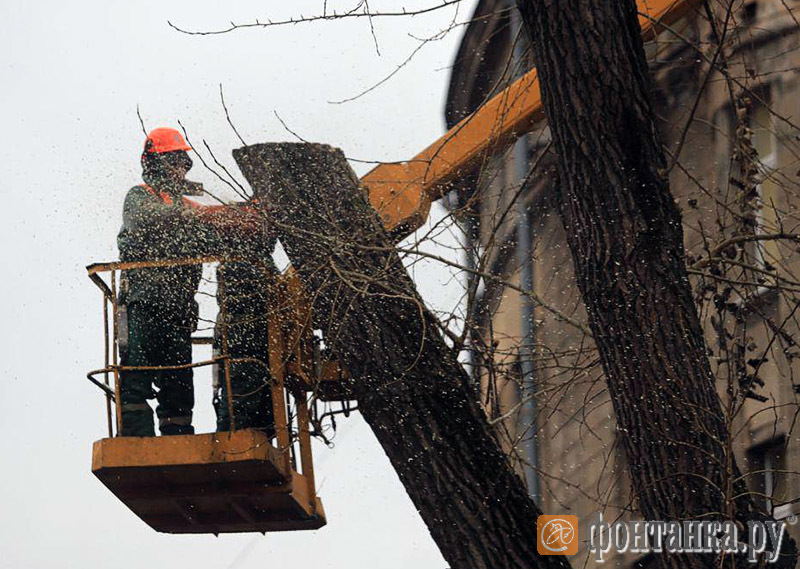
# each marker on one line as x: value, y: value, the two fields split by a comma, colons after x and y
x: 284, y: 339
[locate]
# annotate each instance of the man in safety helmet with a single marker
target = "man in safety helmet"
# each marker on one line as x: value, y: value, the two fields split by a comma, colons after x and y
x: 160, y: 304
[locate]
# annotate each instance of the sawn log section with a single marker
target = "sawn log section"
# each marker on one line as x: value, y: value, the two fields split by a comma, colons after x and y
x: 411, y: 389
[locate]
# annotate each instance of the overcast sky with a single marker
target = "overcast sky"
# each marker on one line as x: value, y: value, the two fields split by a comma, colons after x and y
x: 71, y: 75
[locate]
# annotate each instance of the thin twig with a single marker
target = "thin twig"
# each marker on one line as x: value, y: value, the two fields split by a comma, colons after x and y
x: 228, y: 116
x: 323, y: 17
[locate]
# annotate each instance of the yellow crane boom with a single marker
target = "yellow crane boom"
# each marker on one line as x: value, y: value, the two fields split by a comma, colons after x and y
x: 402, y: 192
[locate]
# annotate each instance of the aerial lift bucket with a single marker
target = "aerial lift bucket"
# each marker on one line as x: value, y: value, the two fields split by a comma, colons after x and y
x: 211, y: 483
x: 236, y: 481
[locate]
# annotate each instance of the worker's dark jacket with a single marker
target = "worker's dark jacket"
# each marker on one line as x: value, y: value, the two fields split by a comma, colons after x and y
x: 154, y: 227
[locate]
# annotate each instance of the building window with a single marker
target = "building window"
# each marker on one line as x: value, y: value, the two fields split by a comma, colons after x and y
x: 750, y: 12
x: 767, y: 467
x: 765, y: 143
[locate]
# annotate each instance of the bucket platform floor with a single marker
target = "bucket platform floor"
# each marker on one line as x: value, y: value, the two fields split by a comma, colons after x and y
x: 211, y: 483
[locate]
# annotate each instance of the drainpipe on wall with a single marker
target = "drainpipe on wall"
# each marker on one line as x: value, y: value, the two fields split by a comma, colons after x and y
x: 469, y: 228
x: 527, y: 418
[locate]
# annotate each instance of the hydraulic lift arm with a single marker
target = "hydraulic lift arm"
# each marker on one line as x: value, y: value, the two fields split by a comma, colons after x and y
x: 402, y: 192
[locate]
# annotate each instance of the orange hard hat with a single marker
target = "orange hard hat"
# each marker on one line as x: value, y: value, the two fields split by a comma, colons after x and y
x: 164, y: 140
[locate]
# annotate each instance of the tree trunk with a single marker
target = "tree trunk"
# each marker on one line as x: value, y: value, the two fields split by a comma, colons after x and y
x: 626, y: 238
x: 411, y: 389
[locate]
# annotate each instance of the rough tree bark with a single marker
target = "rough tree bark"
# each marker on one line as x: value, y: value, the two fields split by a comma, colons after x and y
x: 624, y: 231
x: 411, y: 389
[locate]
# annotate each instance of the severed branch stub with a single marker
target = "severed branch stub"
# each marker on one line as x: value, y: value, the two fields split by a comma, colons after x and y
x: 411, y: 389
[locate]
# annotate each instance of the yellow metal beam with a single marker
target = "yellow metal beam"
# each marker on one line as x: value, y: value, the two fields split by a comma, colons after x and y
x: 402, y: 192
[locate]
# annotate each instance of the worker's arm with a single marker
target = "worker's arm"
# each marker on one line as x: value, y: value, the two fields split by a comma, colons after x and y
x: 153, y: 228
x: 143, y: 210
x: 236, y: 217
x: 239, y: 229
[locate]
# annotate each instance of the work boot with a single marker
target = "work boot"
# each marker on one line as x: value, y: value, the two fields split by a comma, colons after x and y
x: 137, y: 422
x: 176, y: 425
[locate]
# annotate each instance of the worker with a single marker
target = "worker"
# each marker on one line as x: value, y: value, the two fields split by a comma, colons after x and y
x: 244, y: 303
x: 161, y: 308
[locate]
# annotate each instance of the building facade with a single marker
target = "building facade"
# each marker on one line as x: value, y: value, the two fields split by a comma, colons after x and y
x: 731, y: 135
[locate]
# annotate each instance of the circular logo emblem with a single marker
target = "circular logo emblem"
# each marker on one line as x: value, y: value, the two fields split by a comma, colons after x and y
x: 557, y: 534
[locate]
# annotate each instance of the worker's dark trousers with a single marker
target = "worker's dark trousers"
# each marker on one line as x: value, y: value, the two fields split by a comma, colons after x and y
x: 250, y: 381
x: 244, y: 305
x: 158, y: 335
